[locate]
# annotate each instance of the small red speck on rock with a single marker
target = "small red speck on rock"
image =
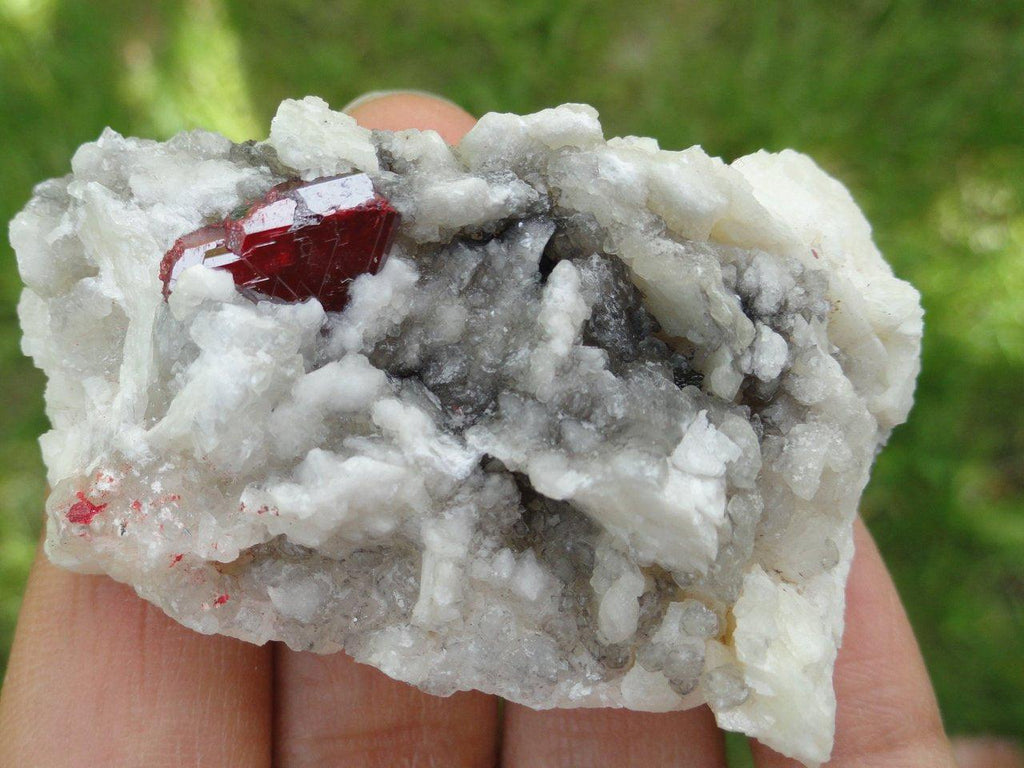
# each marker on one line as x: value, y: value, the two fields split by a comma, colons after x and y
x: 136, y: 506
x: 176, y: 559
x: 83, y: 511
x: 222, y: 599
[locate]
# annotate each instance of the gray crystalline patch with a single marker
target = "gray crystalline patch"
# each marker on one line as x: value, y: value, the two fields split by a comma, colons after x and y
x: 469, y: 320
x: 593, y: 436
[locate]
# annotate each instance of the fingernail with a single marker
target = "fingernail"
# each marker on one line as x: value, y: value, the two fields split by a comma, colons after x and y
x: 369, y: 96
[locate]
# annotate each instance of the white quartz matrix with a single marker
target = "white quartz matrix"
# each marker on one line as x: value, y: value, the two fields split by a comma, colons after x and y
x: 594, y: 436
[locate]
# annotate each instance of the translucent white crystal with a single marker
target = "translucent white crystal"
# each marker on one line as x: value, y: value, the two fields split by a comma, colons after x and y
x: 594, y: 436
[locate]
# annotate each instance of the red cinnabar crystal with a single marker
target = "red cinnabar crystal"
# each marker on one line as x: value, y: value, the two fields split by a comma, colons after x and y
x: 83, y: 511
x: 300, y: 240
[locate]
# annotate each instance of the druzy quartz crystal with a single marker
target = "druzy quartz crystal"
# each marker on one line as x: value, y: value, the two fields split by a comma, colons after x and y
x: 576, y: 421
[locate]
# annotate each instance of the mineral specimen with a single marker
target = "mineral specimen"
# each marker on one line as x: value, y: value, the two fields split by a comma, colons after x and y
x: 593, y: 435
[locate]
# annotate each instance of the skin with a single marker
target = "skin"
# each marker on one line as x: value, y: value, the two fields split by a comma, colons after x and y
x: 97, y: 677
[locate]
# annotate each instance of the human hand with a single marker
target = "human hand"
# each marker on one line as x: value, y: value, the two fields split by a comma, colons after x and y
x: 99, y: 677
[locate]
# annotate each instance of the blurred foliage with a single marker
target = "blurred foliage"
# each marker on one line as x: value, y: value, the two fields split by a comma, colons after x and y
x: 917, y: 106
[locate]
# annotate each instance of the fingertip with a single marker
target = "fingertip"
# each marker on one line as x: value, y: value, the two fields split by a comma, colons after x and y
x: 99, y: 677
x: 887, y: 711
x: 987, y: 752
x: 559, y: 738
x: 331, y: 710
x: 401, y: 110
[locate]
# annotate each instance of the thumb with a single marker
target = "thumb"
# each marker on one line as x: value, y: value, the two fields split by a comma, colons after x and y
x: 399, y: 110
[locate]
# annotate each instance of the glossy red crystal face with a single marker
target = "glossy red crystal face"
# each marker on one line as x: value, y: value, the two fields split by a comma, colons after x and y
x: 300, y: 240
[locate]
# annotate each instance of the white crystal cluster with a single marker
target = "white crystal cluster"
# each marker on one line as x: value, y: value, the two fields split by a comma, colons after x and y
x: 594, y: 436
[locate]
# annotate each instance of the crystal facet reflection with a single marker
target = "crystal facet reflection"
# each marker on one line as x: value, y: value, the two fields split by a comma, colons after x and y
x: 298, y: 241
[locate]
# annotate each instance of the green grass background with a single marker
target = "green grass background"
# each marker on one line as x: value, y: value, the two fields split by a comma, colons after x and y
x: 917, y: 106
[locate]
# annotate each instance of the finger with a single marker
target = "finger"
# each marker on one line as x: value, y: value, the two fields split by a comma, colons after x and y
x: 399, y: 110
x: 99, y: 677
x: 987, y: 752
x: 613, y: 737
x: 887, y: 714
x: 331, y: 710
x: 334, y: 712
